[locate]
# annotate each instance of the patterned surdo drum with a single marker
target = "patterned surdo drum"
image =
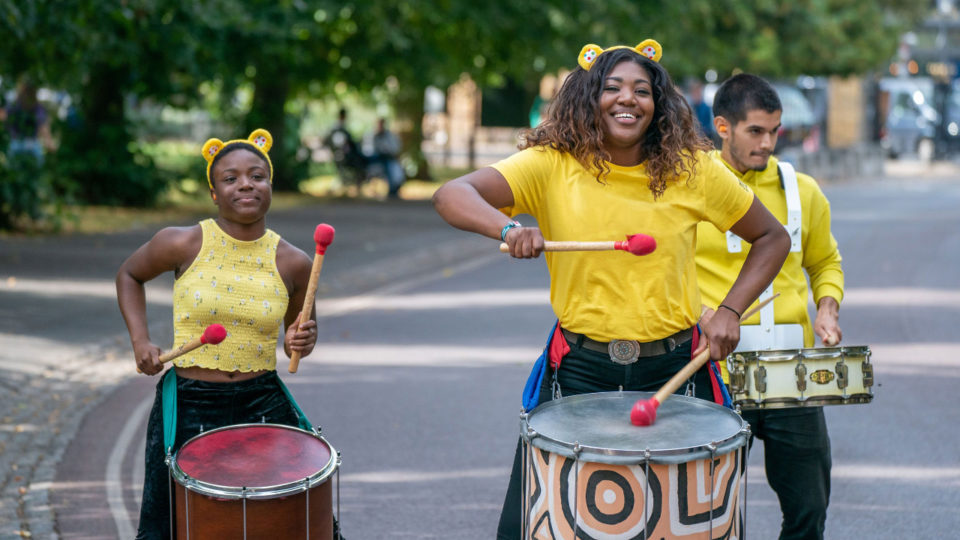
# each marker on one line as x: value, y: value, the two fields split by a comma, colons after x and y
x: 590, y: 474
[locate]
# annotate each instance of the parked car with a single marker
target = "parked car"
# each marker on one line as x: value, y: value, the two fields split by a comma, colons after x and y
x: 798, y: 124
x: 910, y: 118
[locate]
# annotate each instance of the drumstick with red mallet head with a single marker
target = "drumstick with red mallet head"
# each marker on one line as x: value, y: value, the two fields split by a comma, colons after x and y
x: 323, y: 236
x: 644, y: 411
x: 637, y: 244
x: 212, y: 335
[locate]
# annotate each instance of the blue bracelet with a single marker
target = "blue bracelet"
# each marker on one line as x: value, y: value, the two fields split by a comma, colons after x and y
x: 507, y: 227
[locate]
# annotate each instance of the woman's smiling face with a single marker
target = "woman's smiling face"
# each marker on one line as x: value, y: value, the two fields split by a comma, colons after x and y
x: 241, y: 186
x: 626, y: 109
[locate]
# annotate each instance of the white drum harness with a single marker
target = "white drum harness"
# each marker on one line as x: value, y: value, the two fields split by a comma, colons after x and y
x: 768, y: 335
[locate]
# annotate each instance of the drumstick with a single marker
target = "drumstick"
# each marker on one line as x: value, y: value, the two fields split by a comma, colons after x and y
x: 212, y: 335
x: 323, y: 236
x: 637, y: 244
x: 644, y: 411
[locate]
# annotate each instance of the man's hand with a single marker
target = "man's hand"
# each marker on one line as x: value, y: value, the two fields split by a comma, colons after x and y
x: 826, y: 325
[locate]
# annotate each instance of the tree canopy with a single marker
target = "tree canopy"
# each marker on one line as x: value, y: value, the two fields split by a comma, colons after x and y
x: 109, y: 54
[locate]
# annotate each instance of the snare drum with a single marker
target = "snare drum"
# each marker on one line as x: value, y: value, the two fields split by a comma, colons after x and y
x: 590, y: 473
x: 801, y: 377
x: 254, y: 481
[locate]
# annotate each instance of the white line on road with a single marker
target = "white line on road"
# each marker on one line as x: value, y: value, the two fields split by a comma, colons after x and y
x: 114, y: 478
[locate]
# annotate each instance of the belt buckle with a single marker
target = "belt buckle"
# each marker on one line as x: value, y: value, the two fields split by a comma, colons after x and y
x: 623, y: 351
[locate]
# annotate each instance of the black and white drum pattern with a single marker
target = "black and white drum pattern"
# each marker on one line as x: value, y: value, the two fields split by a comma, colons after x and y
x: 589, y: 474
x: 633, y: 501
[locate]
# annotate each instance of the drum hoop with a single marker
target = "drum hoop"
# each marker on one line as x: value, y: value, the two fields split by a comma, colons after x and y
x: 261, y: 492
x: 668, y: 456
x: 789, y: 355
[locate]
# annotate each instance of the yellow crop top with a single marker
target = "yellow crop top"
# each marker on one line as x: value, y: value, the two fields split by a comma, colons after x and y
x: 234, y: 283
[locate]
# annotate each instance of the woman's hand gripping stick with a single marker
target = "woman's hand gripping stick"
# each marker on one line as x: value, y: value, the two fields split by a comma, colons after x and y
x: 323, y: 236
x: 644, y: 411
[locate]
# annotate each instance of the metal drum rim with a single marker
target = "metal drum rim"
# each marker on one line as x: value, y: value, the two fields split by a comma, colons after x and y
x: 786, y: 355
x: 632, y: 457
x: 261, y: 492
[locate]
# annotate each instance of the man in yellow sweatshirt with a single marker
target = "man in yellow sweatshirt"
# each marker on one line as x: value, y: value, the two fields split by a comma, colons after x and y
x: 747, y: 114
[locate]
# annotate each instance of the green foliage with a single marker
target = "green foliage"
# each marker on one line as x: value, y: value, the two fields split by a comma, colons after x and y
x: 110, y: 54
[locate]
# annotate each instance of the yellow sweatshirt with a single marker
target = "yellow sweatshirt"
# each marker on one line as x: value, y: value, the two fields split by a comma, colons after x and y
x: 717, y: 268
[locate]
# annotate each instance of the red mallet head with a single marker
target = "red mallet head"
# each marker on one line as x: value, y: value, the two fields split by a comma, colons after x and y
x: 644, y: 412
x: 637, y: 244
x: 213, y: 334
x: 323, y: 236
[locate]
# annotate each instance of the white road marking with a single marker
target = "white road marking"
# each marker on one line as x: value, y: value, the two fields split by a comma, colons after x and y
x: 121, y: 517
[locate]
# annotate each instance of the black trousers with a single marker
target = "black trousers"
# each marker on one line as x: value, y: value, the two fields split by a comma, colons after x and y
x: 202, y: 406
x: 585, y: 371
x: 796, y: 454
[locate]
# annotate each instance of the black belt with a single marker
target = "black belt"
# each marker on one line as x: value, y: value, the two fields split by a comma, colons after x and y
x: 627, y: 351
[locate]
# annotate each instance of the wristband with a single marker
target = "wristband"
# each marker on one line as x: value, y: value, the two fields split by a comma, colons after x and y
x: 730, y: 308
x: 507, y: 227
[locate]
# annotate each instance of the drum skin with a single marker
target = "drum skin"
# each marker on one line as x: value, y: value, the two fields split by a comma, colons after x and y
x: 633, y: 482
x: 268, y: 473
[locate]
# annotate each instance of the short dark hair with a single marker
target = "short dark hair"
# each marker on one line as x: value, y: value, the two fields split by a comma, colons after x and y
x: 743, y: 93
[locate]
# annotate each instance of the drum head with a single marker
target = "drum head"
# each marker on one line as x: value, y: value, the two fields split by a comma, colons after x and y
x: 254, y: 456
x: 597, y: 426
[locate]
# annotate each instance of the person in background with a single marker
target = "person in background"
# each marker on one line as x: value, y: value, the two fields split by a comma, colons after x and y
x: 349, y: 159
x: 386, y: 152
x: 701, y: 110
x: 27, y: 122
x: 747, y: 114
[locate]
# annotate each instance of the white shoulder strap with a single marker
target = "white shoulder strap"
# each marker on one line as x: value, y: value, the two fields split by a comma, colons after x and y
x: 794, y: 225
x: 794, y: 212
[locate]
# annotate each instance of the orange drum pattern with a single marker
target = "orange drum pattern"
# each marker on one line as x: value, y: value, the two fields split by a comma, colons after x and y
x: 589, y: 474
x: 633, y: 501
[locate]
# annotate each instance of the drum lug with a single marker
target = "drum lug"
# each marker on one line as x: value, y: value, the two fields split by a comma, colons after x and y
x: 867, y: 374
x: 842, y: 379
x: 760, y: 379
x: 738, y: 378
x: 801, y: 371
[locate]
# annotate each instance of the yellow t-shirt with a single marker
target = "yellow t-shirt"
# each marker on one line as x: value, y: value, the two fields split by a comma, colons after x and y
x: 234, y: 283
x: 616, y: 295
x: 819, y: 257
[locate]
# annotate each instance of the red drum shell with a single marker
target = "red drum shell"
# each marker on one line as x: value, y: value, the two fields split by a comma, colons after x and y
x: 254, y: 481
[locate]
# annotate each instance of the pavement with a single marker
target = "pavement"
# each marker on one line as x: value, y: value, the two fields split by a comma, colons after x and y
x: 64, y: 346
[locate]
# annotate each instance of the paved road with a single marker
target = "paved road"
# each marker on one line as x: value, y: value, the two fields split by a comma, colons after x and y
x: 421, y: 359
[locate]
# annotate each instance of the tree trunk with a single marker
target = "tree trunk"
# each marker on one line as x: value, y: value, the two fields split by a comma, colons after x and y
x: 409, y: 107
x: 96, y: 152
x: 270, y: 92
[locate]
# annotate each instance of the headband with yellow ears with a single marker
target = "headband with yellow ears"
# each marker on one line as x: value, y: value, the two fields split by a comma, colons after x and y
x: 648, y: 47
x: 260, y: 140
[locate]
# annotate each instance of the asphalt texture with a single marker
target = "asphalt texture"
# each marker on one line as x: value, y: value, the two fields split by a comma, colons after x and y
x: 432, y: 461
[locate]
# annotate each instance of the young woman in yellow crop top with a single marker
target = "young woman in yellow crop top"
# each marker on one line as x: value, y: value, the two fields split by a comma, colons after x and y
x: 229, y: 270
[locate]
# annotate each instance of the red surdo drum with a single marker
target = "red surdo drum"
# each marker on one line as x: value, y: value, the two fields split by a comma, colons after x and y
x: 254, y: 481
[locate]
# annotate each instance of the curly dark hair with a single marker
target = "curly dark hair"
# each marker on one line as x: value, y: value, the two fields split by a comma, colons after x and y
x: 573, y: 123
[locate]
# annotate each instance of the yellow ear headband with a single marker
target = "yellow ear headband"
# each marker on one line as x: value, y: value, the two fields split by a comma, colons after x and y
x: 648, y: 47
x: 260, y: 140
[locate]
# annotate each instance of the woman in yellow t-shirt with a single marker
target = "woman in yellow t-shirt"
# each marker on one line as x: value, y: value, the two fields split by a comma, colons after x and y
x: 230, y: 270
x: 618, y: 153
